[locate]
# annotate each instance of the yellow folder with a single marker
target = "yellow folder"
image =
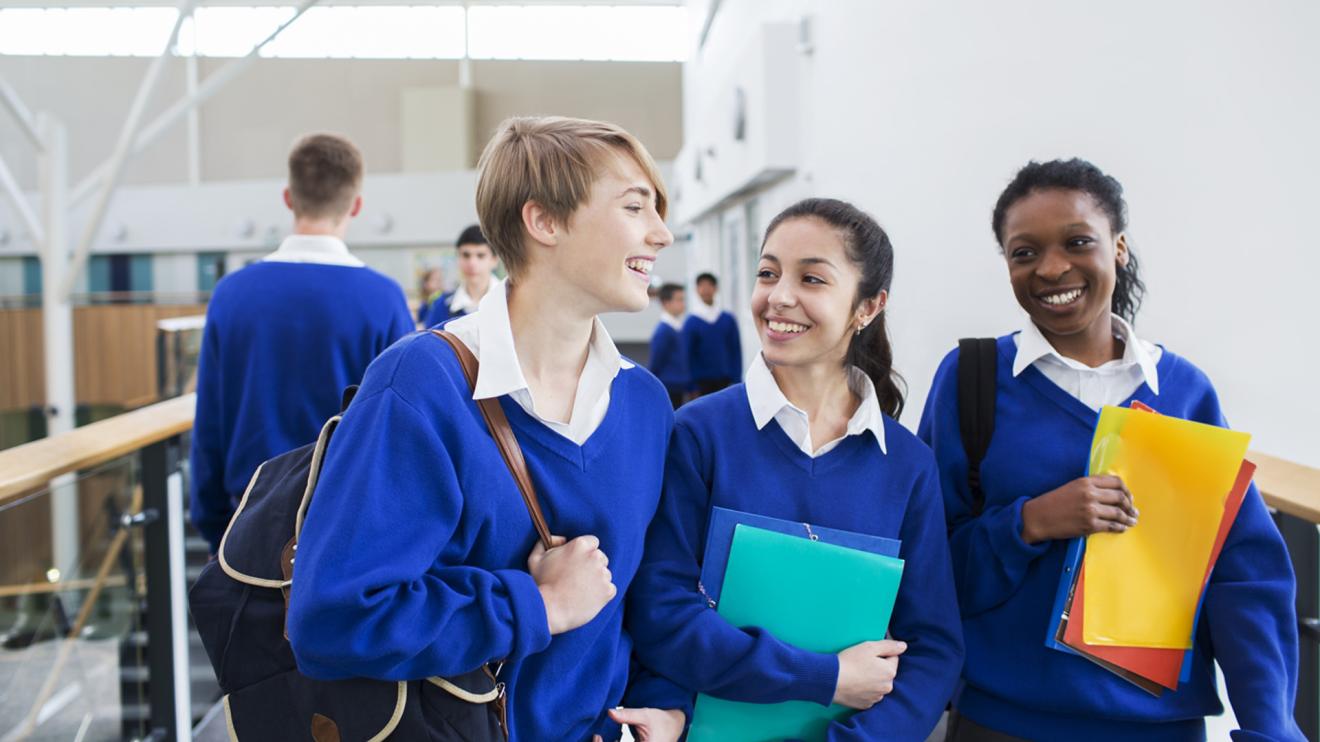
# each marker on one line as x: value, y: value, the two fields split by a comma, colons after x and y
x: 1142, y: 586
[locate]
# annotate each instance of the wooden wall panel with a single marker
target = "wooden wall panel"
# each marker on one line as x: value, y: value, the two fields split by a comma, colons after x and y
x: 114, y: 350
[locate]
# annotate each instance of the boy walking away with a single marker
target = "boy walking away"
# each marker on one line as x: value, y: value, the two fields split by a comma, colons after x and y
x: 286, y: 335
x: 714, y: 348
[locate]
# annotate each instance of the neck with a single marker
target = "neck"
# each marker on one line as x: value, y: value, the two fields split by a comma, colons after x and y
x: 552, y: 337
x: 476, y: 287
x: 818, y: 389
x: 320, y: 227
x: 1094, y: 346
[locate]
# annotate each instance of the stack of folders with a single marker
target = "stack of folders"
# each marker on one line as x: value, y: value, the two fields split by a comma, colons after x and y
x: 816, y: 588
x: 1130, y: 601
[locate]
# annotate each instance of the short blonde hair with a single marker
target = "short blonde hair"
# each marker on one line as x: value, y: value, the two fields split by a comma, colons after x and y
x: 325, y: 175
x: 553, y: 161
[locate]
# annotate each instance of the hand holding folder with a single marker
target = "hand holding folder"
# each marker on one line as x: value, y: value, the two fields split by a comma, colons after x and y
x: 809, y: 593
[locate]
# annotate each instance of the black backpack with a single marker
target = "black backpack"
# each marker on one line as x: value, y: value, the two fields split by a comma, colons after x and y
x: 977, y: 372
x: 239, y: 605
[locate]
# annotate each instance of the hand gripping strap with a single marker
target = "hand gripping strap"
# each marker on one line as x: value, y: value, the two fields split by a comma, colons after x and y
x: 503, y: 435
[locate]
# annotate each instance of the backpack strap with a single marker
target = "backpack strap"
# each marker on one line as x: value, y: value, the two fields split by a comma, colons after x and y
x: 977, y: 368
x: 503, y: 435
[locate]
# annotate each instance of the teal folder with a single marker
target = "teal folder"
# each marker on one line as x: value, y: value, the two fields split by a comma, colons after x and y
x: 810, y: 594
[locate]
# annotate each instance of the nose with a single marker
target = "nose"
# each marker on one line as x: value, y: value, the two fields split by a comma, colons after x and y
x: 783, y: 295
x: 660, y: 236
x: 1053, y: 265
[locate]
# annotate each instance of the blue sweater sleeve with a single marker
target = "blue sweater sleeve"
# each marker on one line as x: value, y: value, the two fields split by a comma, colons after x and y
x: 926, y: 617
x: 680, y: 636
x: 209, y: 504
x: 376, y: 592
x: 401, y: 322
x: 735, y: 350
x: 662, y: 351
x: 990, y: 559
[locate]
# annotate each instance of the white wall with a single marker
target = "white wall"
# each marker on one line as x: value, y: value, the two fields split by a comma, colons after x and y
x: 1206, y: 111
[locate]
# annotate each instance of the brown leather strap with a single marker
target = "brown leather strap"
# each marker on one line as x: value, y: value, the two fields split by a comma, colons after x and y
x: 503, y: 435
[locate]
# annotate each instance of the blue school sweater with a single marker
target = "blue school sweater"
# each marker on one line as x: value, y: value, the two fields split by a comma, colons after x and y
x: 714, y: 349
x: 669, y: 358
x: 439, y: 312
x: 413, y: 556
x: 282, y: 340
x: 1012, y: 682
x: 717, y: 457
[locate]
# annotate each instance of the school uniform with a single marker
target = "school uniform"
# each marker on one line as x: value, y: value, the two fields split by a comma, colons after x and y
x: 424, y: 309
x: 283, y: 337
x: 1046, y: 411
x: 747, y: 448
x: 714, y: 347
x: 669, y: 358
x: 413, y: 556
x: 456, y: 303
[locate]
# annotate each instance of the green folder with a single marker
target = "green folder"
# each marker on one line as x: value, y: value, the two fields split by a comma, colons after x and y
x: 810, y: 594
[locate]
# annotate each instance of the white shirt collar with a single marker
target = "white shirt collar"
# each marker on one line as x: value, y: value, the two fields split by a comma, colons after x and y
x: 461, y: 301
x: 671, y: 320
x: 489, y: 335
x: 1032, y: 346
x: 321, y: 249
x: 708, y: 312
x: 768, y: 403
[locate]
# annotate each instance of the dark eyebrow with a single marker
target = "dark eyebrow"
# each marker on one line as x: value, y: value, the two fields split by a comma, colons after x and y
x: 768, y: 256
x: 816, y: 261
x: 642, y: 191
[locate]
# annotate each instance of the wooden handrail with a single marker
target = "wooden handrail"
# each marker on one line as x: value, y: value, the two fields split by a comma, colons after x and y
x: 1287, y: 486
x: 30, y: 466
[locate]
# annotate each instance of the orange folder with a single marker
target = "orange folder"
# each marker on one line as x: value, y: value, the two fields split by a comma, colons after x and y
x: 1161, y: 666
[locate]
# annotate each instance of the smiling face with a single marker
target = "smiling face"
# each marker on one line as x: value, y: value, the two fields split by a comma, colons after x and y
x: 608, y: 247
x: 1063, y: 260
x: 805, y: 300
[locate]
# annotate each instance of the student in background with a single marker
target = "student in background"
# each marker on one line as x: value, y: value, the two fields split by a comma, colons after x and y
x: 1062, y: 228
x: 285, y: 335
x: 714, y: 348
x: 476, y: 263
x: 810, y: 436
x: 669, y: 353
x: 418, y: 557
x: 432, y: 286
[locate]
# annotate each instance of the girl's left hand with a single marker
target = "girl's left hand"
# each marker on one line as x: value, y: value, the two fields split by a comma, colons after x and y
x: 650, y: 725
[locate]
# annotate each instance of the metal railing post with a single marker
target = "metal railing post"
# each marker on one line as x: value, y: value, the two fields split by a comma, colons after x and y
x: 1303, y: 544
x: 167, y: 621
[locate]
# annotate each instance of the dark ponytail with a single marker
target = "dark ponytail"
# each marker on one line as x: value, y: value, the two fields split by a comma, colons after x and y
x: 1079, y: 175
x: 868, y: 248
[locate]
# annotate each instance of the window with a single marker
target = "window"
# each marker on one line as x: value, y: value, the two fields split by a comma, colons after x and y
x: 599, y: 32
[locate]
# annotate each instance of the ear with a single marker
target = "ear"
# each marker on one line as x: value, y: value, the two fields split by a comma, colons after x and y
x: 357, y: 207
x: 872, y: 307
x: 288, y: 199
x: 1121, y: 250
x: 543, y: 228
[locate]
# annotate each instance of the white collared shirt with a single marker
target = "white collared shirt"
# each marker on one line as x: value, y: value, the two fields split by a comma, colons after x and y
x: 671, y: 320
x: 768, y: 403
x: 1110, y: 383
x: 462, y: 301
x: 320, y: 249
x: 708, y: 312
x: 489, y: 335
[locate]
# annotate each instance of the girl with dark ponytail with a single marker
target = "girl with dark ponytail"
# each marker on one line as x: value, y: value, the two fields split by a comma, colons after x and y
x: 1062, y: 227
x: 810, y: 437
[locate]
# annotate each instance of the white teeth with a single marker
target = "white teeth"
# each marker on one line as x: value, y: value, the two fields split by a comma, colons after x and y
x: 640, y: 265
x: 786, y: 327
x: 1067, y: 297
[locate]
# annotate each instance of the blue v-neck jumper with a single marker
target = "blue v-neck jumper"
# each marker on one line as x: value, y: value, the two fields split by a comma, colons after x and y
x: 1006, y: 587
x: 718, y: 457
x: 413, y: 556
